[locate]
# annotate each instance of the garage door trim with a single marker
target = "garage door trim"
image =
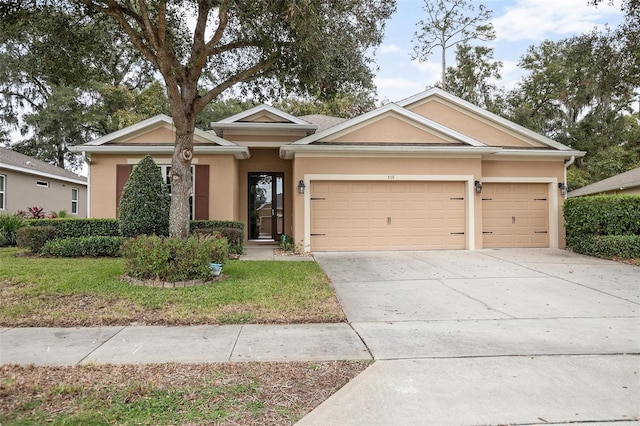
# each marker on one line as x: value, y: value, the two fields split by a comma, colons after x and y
x: 469, y: 191
x: 552, y: 191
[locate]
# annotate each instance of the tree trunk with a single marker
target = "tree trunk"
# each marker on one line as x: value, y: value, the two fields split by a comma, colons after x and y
x: 181, y: 180
x: 444, y: 68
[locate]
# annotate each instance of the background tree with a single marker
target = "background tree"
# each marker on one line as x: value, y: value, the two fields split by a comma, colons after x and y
x: 63, y: 79
x: 474, y: 77
x: 448, y: 23
x: 144, y: 206
x: 579, y: 92
x: 220, y: 109
x: 319, y: 47
x: 341, y: 105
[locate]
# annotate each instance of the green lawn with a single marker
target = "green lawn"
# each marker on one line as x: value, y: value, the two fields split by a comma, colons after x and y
x: 50, y: 292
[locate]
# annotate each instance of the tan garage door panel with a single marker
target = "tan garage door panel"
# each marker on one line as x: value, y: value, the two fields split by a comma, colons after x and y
x: 357, y: 215
x: 515, y: 215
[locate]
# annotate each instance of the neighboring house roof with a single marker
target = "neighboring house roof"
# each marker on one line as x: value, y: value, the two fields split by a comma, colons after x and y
x: 322, y: 121
x: 206, y: 143
x: 629, y: 179
x: 12, y: 160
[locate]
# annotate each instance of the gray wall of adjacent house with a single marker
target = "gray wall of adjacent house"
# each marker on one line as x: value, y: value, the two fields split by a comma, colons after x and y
x: 24, y: 190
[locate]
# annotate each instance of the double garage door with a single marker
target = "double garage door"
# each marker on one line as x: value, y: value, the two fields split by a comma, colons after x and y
x: 407, y: 215
x: 356, y: 215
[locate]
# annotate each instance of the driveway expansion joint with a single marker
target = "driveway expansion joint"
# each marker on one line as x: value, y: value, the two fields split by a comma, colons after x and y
x: 235, y: 343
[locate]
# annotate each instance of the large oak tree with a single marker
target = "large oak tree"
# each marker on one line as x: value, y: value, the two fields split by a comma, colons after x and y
x: 316, y: 47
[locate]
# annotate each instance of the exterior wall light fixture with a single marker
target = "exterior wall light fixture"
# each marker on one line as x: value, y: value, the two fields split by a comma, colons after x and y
x: 478, y: 186
x: 301, y: 187
x: 563, y: 188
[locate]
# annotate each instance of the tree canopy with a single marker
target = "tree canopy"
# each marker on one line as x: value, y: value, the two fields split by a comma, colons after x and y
x: 448, y: 23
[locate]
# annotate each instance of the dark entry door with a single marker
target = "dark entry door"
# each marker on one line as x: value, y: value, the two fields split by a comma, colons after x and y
x: 266, y: 206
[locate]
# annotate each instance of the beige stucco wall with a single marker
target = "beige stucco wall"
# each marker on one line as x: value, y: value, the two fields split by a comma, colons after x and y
x: 21, y: 192
x: 511, y: 170
x: 382, y: 166
x: 473, y: 126
x: 267, y: 160
x: 161, y: 135
x: 223, y: 183
x: 390, y: 129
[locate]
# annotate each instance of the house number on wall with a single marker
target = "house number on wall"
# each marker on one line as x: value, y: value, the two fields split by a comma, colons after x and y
x: 391, y: 177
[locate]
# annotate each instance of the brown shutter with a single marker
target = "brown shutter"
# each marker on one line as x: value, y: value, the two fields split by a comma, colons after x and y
x: 122, y: 175
x: 201, y: 192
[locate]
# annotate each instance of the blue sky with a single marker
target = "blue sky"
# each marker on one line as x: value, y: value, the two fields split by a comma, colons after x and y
x: 518, y: 24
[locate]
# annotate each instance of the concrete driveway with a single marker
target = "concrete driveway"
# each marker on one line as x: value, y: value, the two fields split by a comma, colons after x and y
x: 525, y: 336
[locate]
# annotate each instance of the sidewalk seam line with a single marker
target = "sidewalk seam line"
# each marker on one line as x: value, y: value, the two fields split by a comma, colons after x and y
x: 101, y: 344
x: 362, y: 340
x: 235, y: 343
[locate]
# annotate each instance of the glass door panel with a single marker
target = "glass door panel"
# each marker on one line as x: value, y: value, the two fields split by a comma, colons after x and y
x: 266, y: 207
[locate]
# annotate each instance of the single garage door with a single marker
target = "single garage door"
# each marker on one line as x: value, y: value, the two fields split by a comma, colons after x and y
x: 515, y: 215
x: 358, y: 215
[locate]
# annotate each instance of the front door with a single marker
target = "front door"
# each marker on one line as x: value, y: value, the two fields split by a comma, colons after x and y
x: 266, y: 206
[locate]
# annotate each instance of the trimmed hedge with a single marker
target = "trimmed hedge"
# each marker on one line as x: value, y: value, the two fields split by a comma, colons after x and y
x: 231, y: 230
x: 35, y: 237
x: 623, y: 246
x: 98, y: 246
x: 172, y: 259
x: 595, y: 222
x: 73, y: 228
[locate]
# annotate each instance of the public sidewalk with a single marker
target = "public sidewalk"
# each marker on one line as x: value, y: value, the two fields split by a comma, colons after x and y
x: 190, y: 344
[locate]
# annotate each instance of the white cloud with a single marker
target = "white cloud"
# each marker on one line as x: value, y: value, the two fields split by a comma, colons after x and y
x: 510, y: 73
x: 390, y: 48
x: 397, y: 88
x: 537, y: 20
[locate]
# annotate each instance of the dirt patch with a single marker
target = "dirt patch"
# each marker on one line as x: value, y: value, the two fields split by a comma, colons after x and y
x: 230, y: 393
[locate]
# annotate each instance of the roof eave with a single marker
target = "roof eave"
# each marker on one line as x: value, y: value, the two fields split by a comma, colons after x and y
x: 240, y: 152
x: 43, y: 174
x: 287, y: 152
x: 309, y: 129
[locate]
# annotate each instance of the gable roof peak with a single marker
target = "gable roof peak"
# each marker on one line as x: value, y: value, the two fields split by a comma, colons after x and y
x: 263, y: 108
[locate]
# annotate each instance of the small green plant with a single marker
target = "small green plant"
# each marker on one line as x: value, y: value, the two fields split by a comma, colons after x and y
x: 9, y: 225
x: 144, y: 206
x: 99, y: 246
x: 173, y: 259
x: 287, y: 244
x: 35, y: 237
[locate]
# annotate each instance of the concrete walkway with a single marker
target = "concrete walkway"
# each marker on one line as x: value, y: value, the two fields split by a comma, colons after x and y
x: 195, y: 344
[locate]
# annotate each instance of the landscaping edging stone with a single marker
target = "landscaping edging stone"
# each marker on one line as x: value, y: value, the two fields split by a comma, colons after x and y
x: 167, y: 284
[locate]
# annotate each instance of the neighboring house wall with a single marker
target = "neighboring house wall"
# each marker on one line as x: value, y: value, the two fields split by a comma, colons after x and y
x: 22, y: 192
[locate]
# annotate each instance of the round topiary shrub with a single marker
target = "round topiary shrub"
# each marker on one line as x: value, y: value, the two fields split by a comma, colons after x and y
x: 144, y: 206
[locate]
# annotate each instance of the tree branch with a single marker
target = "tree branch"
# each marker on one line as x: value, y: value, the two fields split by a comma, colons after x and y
x: 236, y: 78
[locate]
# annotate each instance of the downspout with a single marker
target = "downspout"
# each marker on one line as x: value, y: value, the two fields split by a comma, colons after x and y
x: 87, y: 160
x: 568, y: 164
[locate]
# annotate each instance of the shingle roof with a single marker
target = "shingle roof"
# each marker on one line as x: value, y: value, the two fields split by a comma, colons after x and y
x: 14, y: 160
x: 322, y: 121
x: 624, y: 180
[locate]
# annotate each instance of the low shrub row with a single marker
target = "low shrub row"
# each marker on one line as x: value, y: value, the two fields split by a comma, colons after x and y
x: 84, y: 246
x: 608, y: 246
x: 604, y: 226
x: 74, y: 228
x: 173, y: 259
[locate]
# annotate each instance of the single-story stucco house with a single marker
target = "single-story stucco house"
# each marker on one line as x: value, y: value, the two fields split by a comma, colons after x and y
x: 429, y: 172
x: 627, y: 183
x: 26, y: 182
